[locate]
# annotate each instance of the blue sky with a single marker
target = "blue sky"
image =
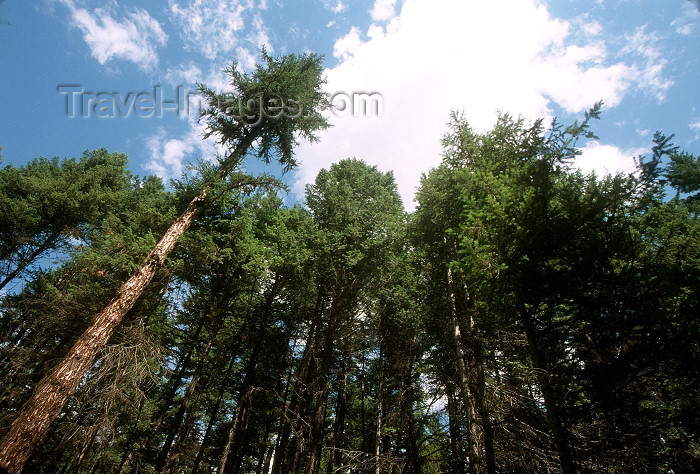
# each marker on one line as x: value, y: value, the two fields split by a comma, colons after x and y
x: 424, y: 57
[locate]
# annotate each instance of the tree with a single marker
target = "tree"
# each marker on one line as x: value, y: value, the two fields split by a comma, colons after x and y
x: 287, y: 92
x: 356, y: 212
x: 359, y: 215
x: 48, y: 203
x: 44, y: 320
x: 579, y: 294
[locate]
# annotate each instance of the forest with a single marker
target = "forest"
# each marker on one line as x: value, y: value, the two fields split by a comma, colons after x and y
x: 525, y: 317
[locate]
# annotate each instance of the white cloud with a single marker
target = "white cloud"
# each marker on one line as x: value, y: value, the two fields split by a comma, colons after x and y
x: 696, y: 128
x: 185, y: 74
x: 592, y: 28
x: 134, y: 38
x: 649, y: 72
x: 216, y: 28
x: 685, y: 23
x: 348, y: 44
x: 169, y: 155
x: 210, y: 26
x: 383, y: 10
x: 607, y: 159
x: 335, y: 6
x: 166, y: 155
x: 567, y: 77
x: 480, y: 57
x: 259, y: 36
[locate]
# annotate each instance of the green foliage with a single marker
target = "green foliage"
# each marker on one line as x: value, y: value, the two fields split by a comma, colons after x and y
x: 41, y: 322
x: 577, y: 274
x: 683, y: 174
x: 278, y: 102
x: 47, y: 205
x: 328, y: 338
x: 358, y: 210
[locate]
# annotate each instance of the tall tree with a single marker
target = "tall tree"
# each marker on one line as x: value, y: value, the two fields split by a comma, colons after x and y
x: 287, y: 95
x: 48, y: 315
x: 569, y: 279
x: 49, y: 203
x: 358, y: 212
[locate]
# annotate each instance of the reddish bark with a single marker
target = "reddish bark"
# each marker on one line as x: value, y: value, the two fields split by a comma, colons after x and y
x: 34, y: 418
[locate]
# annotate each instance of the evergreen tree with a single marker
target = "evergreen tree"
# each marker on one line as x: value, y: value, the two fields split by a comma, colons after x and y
x: 287, y: 78
x: 48, y: 204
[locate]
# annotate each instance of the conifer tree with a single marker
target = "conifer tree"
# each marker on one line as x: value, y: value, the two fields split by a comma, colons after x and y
x: 269, y: 108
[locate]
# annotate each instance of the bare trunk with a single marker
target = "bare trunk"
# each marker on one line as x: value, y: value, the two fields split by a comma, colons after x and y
x: 130, y: 437
x: 232, y: 457
x: 380, y: 405
x: 561, y: 435
x: 86, y: 447
x: 363, y: 413
x: 338, y: 443
x: 263, y: 464
x: 212, y: 417
x: 32, y: 421
x: 34, y: 418
x: 174, y: 384
x: 175, y: 381
x: 378, y: 443
x: 479, y: 393
x: 412, y: 452
x: 185, y: 403
x: 294, y: 414
x: 229, y: 442
x: 478, y: 389
x: 268, y: 458
x: 321, y: 395
x: 456, y: 451
x: 473, y: 434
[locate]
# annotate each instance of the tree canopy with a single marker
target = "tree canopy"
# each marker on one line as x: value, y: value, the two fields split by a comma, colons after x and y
x: 525, y: 317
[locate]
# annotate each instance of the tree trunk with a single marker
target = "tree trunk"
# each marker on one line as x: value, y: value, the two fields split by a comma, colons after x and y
x: 34, y: 418
x: 336, y: 454
x: 130, y: 439
x: 185, y: 403
x: 456, y: 451
x: 167, y: 400
x: 32, y: 421
x: 294, y: 413
x: 407, y: 399
x: 174, y: 384
x: 562, y: 439
x: 232, y: 456
x: 378, y: 441
x: 321, y: 395
x: 479, y: 392
x: 363, y: 411
x: 86, y: 447
x: 212, y: 417
x: 265, y: 466
x: 477, y: 386
x: 467, y: 399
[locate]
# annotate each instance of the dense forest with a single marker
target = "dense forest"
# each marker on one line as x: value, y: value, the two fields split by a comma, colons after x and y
x: 525, y: 317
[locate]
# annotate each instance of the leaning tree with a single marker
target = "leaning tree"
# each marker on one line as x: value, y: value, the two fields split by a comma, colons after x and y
x: 266, y: 112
